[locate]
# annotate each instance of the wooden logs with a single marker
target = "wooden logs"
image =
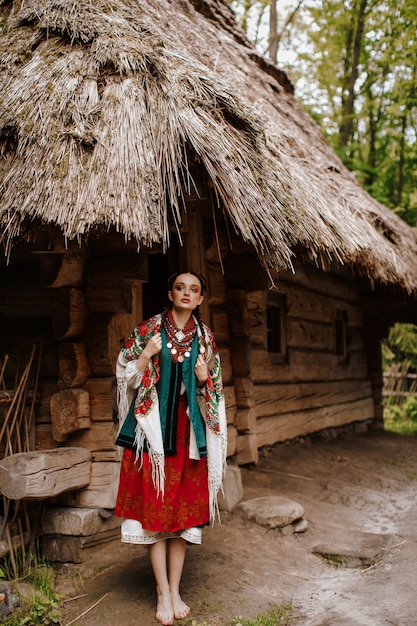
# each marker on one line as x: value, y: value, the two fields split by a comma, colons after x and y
x: 74, y: 368
x: 101, y: 491
x: 105, y: 335
x: 61, y: 269
x: 70, y: 411
x: 69, y: 314
x: 37, y: 475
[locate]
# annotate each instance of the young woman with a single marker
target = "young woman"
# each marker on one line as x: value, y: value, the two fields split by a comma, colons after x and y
x: 173, y: 429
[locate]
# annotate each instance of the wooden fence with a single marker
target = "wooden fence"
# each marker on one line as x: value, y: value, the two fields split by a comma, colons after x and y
x: 399, y: 383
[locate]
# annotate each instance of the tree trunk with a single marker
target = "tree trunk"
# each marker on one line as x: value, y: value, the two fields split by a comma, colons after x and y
x: 273, y: 32
x: 351, y: 75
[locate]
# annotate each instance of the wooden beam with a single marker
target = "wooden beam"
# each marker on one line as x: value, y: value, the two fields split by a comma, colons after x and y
x: 74, y: 368
x: 70, y: 411
x: 69, y: 314
x: 37, y: 475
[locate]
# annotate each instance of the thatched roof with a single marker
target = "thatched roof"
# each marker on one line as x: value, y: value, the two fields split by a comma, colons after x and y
x: 102, y: 105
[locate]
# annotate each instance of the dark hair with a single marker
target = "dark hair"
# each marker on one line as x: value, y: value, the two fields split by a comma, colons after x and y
x: 170, y: 286
x: 173, y: 277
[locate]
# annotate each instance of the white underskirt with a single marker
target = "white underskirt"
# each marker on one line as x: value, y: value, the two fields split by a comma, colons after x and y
x: 132, y: 532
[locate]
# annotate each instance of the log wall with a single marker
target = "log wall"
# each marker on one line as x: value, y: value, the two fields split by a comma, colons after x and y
x: 311, y: 388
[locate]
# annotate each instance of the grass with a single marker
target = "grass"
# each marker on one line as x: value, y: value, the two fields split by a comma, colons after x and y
x: 278, y: 615
x: 401, y: 418
x: 334, y: 560
x: 39, y: 604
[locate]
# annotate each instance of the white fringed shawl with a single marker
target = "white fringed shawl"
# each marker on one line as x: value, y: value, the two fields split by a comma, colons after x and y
x: 211, y: 402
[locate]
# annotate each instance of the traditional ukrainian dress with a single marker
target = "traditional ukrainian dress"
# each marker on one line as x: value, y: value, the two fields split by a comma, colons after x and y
x: 174, y: 437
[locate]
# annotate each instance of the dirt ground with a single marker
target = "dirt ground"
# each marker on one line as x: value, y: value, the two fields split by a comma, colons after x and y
x: 359, y: 496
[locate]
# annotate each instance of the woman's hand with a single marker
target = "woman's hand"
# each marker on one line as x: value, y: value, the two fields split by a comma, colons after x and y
x: 154, y: 346
x: 201, y: 371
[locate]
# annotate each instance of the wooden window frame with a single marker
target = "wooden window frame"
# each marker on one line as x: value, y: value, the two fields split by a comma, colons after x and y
x: 340, y: 335
x: 275, y: 326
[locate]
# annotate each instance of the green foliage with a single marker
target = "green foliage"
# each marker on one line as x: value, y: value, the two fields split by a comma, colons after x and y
x: 276, y: 616
x: 334, y: 560
x: 401, y: 347
x: 35, y: 586
x: 354, y: 65
x: 402, y: 418
x: 39, y: 612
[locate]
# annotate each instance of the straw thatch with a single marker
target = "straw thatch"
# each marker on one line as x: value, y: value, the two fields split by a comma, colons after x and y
x: 103, y: 104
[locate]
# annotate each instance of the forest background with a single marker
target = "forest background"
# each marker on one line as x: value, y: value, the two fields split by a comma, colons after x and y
x: 353, y: 64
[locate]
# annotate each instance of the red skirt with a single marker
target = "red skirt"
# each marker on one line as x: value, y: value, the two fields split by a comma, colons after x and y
x: 185, y: 503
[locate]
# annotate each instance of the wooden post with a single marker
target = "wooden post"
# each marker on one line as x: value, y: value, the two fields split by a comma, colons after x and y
x: 196, y: 255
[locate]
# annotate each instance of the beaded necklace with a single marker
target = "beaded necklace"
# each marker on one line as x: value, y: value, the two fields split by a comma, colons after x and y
x: 179, y: 339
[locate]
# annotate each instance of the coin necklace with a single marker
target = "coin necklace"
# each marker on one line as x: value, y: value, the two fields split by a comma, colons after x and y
x: 179, y: 339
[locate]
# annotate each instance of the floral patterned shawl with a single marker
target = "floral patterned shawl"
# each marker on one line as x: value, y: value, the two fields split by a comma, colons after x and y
x: 148, y: 428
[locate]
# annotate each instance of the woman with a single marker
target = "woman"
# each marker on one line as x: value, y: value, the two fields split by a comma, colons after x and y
x: 171, y: 405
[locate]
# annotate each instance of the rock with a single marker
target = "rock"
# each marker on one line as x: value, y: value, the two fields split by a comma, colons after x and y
x: 300, y: 526
x: 8, y: 600
x: 232, y: 488
x: 272, y: 511
x: 352, y: 548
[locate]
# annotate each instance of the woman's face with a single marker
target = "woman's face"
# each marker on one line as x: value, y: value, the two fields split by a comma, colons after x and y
x: 186, y: 292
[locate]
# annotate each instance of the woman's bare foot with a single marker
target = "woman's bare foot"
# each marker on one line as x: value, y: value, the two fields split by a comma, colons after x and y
x: 164, y: 610
x: 181, y: 609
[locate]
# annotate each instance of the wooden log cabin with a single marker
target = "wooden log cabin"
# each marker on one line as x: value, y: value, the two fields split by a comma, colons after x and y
x: 197, y: 155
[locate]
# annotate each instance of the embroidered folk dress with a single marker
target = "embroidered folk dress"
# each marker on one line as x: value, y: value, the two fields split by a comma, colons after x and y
x: 174, y: 437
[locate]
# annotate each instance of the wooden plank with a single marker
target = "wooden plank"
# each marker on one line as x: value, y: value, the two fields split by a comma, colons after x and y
x: 101, y: 392
x: 38, y: 475
x: 101, y: 491
x: 77, y: 521
x: 305, y: 304
x: 64, y: 549
x: 306, y: 334
x: 100, y: 436
x: 270, y: 430
x: 306, y: 366
x: 340, y: 285
x: 278, y: 398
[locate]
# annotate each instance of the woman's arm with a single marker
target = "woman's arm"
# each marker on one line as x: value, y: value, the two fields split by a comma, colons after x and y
x: 136, y: 368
